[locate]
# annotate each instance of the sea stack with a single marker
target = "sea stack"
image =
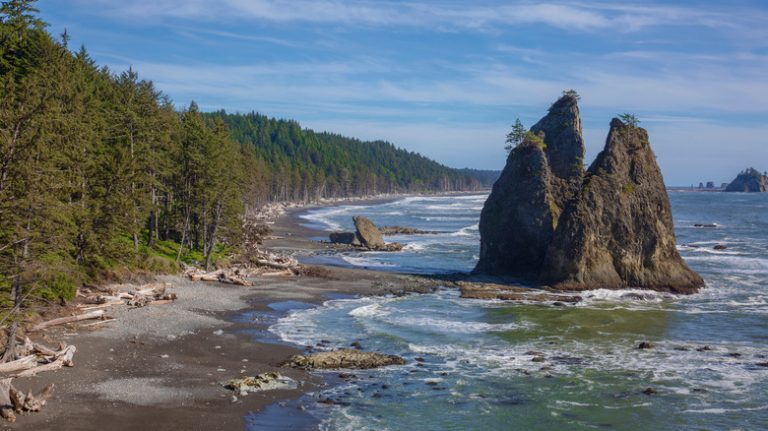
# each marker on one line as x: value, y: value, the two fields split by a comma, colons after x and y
x: 750, y: 180
x: 548, y: 222
x: 541, y: 175
x: 618, y: 233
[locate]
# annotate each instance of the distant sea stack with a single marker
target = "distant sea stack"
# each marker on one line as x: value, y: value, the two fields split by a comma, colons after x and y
x: 610, y: 227
x: 749, y: 180
x: 542, y: 174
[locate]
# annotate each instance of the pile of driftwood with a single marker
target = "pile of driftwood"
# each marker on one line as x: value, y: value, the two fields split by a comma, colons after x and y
x: 152, y: 293
x: 256, y: 263
x: 28, y: 359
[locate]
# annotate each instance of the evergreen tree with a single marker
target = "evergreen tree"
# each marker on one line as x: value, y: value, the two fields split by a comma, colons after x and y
x: 516, y: 136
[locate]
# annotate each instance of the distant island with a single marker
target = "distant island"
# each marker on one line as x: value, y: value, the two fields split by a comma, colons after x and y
x: 749, y: 180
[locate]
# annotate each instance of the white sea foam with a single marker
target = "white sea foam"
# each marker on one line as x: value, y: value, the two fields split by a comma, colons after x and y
x: 367, y: 262
x: 467, y: 230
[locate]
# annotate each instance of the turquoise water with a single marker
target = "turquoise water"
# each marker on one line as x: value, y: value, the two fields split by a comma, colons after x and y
x: 493, y: 365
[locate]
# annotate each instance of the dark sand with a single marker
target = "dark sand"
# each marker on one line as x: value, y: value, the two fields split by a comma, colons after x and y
x: 161, y: 366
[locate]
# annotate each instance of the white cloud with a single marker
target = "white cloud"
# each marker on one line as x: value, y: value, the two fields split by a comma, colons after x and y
x: 446, y: 14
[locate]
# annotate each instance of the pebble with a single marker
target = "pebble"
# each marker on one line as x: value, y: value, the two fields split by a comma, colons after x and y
x: 164, y: 356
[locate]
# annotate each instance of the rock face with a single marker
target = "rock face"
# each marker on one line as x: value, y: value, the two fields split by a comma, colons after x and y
x: 750, y: 180
x: 618, y: 233
x: 345, y: 358
x: 367, y: 233
x: 548, y: 222
x: 541, y: 176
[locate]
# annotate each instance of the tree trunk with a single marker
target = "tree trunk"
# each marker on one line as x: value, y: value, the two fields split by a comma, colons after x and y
x: 212, y: 240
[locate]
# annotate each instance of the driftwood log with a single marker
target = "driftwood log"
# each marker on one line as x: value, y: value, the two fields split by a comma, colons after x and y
x: 71, y: 319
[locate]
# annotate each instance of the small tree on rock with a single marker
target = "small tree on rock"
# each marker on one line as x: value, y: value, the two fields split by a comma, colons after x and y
x: 572, y: 93
x: 629, y: 119
x: 516, y: 136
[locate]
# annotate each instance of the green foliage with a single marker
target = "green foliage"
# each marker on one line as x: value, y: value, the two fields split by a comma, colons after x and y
x: 572, y: 93
x: 628, y: 188
x: 100, y: 175
x: 554, y: 212
x: 288, y: 163
x: 629, y: 119
x: 534, y: 139
x: 516, y: 136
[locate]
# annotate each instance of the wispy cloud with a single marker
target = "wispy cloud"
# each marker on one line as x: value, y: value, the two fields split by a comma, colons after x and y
x: 449, y: 14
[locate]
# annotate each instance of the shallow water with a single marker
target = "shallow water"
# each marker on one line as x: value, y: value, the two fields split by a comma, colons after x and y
x: 493, y: 365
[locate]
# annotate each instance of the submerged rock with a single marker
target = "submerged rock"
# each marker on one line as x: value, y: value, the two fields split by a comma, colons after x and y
x: 750, y: 180
x: 345, y: 358
x: 618, y: 233
x: 401, y: 230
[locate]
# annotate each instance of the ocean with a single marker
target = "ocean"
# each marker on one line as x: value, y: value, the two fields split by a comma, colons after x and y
x: 477, y: 365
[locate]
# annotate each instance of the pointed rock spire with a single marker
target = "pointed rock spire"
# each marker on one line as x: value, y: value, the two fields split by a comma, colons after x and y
x: 618, y: 232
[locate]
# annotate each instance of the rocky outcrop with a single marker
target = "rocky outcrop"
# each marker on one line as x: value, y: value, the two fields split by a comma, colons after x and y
x: 541, y: 176
x: 367, y: 233
x: 366, y: 236
x: 348, y: 238
x: 619, y: 233
x: 402, y: 230
x: 750, y: 180
x: 548, y: 222
x: 343, y: 359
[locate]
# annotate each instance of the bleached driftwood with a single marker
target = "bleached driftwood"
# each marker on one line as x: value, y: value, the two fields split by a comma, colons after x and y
x: 229, y: 276
x: 63, y: 358
x: 13, y: 401
x: 71, y: 319
x: 20, y: 364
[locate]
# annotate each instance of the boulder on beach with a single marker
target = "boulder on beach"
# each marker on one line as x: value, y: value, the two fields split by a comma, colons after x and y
x: 343, y: 359
x: 367, y: 233
x: 750, y: 180
x: 549, y: 222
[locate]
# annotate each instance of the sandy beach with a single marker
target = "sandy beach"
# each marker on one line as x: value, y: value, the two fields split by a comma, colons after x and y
x: 161, y: 366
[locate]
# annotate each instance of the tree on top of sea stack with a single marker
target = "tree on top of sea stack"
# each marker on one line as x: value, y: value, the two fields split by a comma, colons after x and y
x: 542, y: 174
x: 546, y: 221
x: 619, y: 232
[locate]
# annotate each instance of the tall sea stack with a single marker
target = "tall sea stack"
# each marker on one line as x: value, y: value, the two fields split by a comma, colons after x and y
x: 541, y: 175
x: 548, y: 222
x: 618, y: 233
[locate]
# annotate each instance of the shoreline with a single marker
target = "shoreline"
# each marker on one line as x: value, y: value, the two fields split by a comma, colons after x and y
x: 161, y: 366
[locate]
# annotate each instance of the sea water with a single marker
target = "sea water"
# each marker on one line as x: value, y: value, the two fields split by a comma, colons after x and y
x: 492, y: 365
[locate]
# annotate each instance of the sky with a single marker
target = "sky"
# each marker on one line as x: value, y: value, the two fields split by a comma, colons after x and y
x: 448, y: 78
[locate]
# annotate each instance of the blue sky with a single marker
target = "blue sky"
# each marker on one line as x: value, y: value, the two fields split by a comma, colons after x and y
x: 448, y: 78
